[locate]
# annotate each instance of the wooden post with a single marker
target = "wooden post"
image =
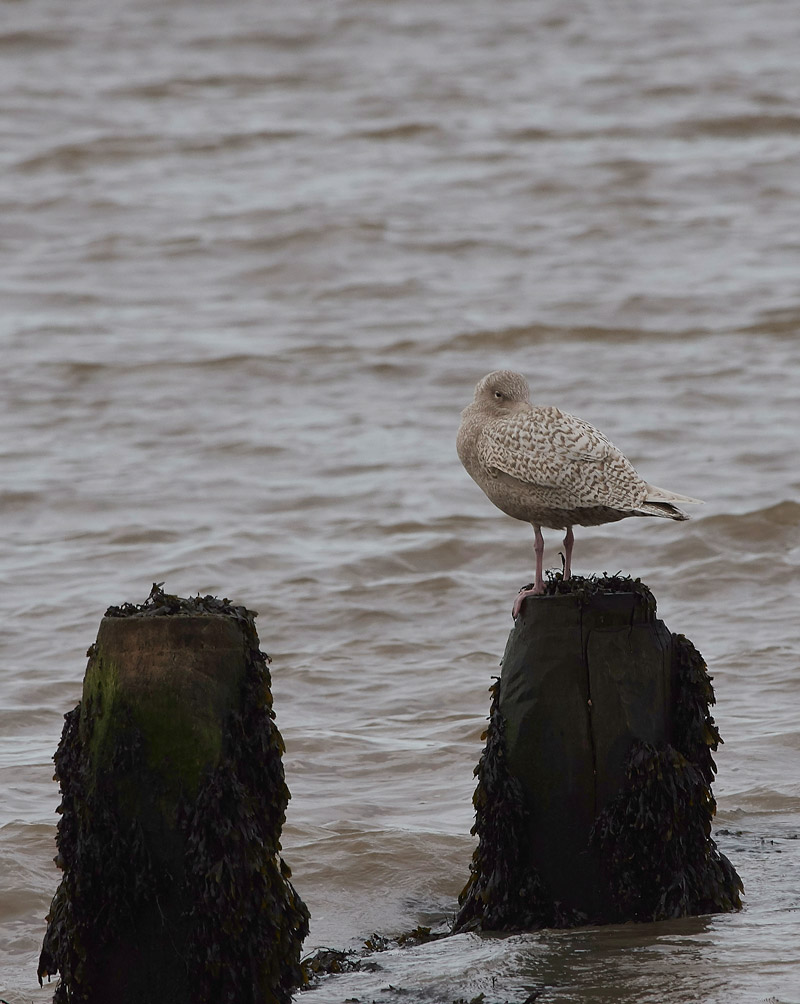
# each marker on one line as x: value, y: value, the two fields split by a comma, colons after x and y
x: 580, y: 682
x: 173, y: 798
x: 594, y: 789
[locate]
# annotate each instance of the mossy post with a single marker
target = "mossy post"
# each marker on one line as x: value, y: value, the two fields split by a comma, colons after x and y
x: 173, y: 798
x: 594, y: 795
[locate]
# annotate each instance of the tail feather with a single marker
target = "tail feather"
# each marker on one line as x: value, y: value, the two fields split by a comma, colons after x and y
x: 648, y: 508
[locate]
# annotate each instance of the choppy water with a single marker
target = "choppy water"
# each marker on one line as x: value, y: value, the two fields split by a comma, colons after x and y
x: 255, y: 257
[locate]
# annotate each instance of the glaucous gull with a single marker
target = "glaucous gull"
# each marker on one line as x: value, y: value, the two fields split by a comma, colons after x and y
x: 548, y: 468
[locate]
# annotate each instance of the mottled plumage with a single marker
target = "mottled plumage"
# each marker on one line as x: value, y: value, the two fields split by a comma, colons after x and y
x: 548, y: 468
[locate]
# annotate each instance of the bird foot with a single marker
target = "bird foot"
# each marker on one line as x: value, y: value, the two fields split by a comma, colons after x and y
x: 522, y: 595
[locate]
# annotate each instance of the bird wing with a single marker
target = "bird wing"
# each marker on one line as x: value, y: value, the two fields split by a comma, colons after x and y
x: 552, y: 451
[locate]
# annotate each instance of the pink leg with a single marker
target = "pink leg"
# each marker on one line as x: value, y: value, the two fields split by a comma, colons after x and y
x: 538, y: 581
x: 569, y: 540
x: 538, y: 550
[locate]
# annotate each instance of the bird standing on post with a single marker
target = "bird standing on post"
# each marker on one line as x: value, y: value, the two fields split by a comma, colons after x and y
x: 548, y: 468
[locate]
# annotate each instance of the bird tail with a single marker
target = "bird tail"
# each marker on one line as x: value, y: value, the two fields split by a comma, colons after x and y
x: 660, y: 502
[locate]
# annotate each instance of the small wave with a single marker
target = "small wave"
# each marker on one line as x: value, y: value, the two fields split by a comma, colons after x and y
x: 396, y: 370
x: 76, y: 372
x: 668, y: 91
x: 180, y: 87
x: 377, y: 290
x: 776, y: 322
x: 738, y: 126
x: 131, y: 536
x: 285, y: 41
x: 462, y: 245
x: 24, y: 41
x: 111, y: 149
x: 529, y: 134
x: 18, y: 501
x: 762, y: 798
x: 239, y: 140
x: 282, y: 236
x: 777, y: 524
x: 520, y: 336
x: 76, y: 156
x: 400, y: 130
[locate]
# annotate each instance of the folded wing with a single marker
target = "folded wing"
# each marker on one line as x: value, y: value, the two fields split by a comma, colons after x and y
x: 565, y: 457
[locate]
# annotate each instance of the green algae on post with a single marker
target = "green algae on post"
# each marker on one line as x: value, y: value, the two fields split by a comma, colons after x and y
x: 173, y: 799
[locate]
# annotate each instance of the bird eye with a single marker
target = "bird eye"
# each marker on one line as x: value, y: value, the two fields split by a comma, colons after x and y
x: 499, y: 395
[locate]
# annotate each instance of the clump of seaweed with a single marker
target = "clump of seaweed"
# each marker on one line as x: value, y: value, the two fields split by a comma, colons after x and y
x: 587, y: 586
x: 331, y: 961
x: 654, y: 839
x: 232, y: 923
x: 161, y: 604
x: 108, y: 871
x: 655, y: 842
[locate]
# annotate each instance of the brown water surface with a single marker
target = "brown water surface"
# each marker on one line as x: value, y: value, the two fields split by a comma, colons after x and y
x: 255, y: 257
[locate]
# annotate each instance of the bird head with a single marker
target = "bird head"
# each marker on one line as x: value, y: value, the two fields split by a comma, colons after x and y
x: 503, y: 392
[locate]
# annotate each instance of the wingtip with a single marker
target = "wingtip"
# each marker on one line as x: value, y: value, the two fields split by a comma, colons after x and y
x: 655, y: 494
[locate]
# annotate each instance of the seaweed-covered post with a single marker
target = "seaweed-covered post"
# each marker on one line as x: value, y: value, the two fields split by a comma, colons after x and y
x: 173, y: 798
x: 594, y: 795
